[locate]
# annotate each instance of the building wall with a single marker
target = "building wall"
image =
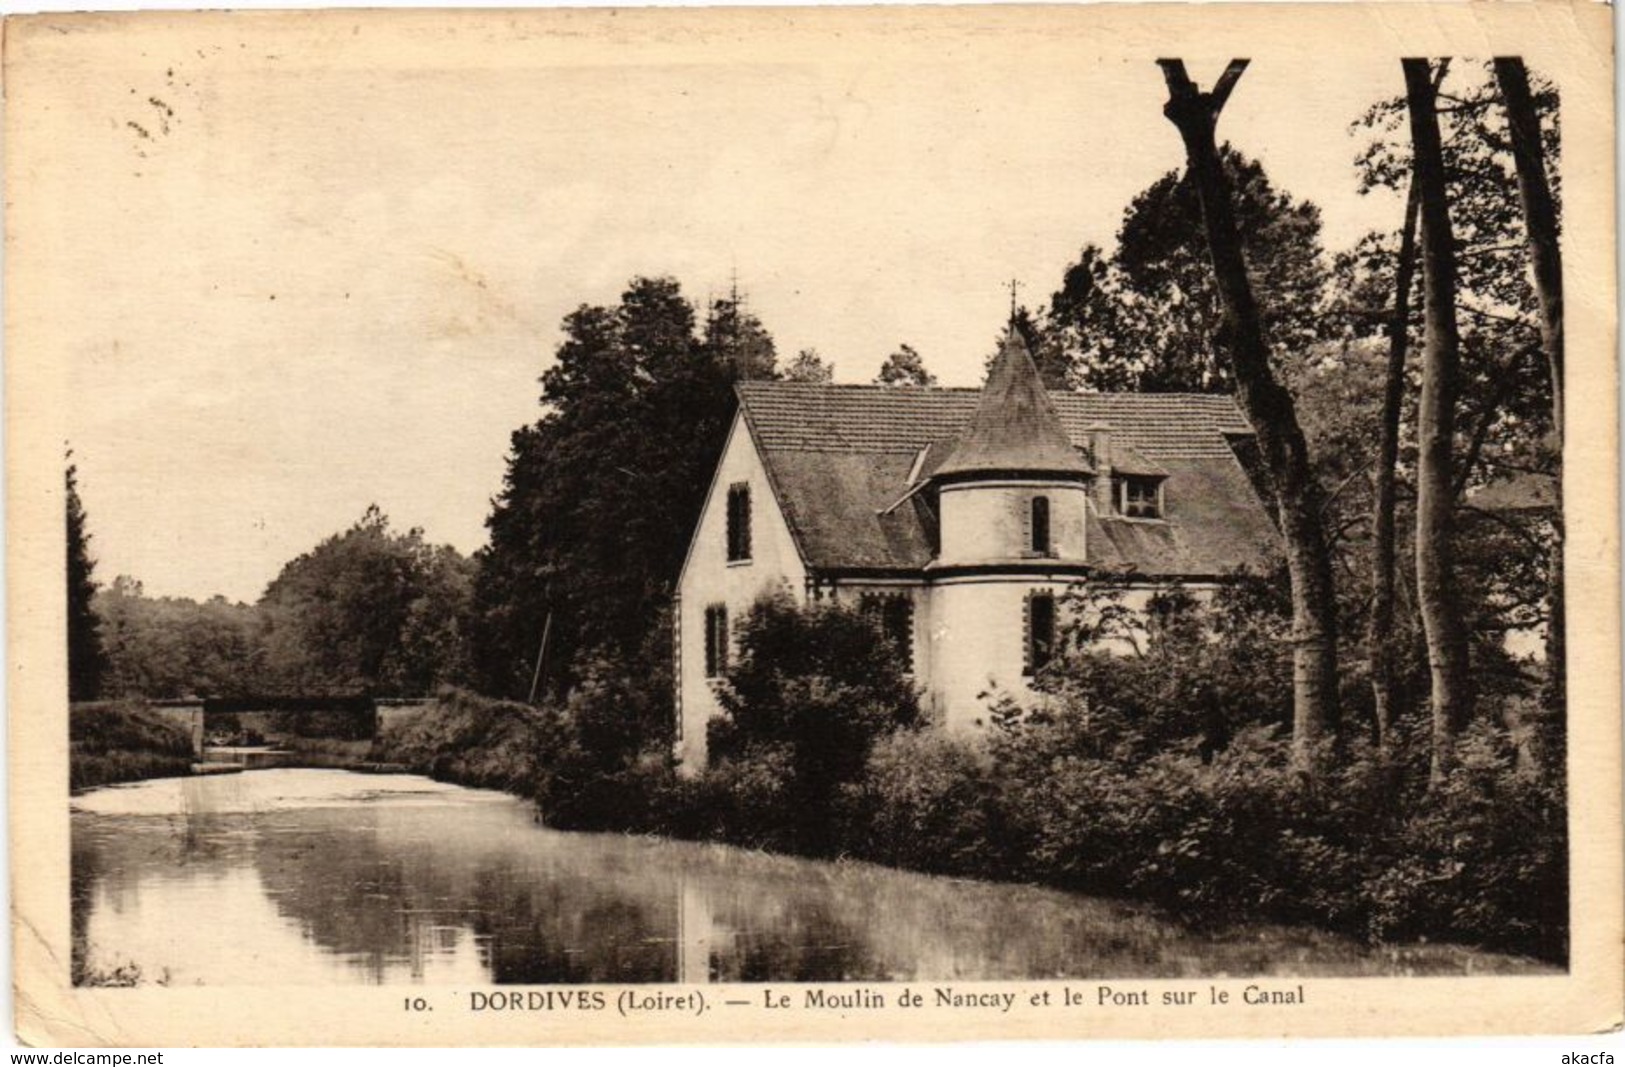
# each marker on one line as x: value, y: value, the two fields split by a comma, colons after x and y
x: 985, y: 521
x: 709, y: 578
x: 977, y: 640
x: 978, y: 645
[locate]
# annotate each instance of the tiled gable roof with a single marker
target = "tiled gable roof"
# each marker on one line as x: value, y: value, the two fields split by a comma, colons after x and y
x: 816, y: 417
x: 840, y: 458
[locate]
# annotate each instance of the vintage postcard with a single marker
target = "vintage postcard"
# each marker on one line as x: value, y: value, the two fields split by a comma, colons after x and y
x: 804, y: 524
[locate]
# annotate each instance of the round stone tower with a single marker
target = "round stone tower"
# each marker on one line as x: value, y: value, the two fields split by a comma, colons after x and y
x: 1012, y: 510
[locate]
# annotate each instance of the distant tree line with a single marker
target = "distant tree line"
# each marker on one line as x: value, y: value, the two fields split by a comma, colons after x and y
x: 369, y: 610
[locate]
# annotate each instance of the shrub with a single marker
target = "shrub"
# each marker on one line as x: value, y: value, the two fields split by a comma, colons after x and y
x: 925, y: 800
x: 1089, y: 802
x: 811, y: 690
x: 475, y: 741
x: 1481, y: 858
x: 746, y: 799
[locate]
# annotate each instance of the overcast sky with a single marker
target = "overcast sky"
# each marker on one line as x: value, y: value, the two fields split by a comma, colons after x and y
x: 329, y: 265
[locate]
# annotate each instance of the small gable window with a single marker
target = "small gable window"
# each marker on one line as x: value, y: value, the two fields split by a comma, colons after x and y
x: 716, y: 640
x: 1040, y: 632
x: 1140, y: 498
x: 738, y: 522
x: 1041, y: 545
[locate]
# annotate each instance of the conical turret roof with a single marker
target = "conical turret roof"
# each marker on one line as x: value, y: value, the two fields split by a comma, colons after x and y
x: 1015, y: 429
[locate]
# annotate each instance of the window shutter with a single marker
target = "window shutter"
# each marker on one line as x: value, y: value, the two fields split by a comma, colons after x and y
x: 1027, y: 635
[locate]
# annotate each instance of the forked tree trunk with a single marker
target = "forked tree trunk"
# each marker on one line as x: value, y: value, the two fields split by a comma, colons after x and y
x: 1435, y: 420
x: 1380, y: 633
x: 1540, y: 222
x: 1270, y: 409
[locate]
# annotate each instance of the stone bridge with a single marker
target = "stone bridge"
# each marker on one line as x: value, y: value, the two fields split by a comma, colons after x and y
x: 374, y: 716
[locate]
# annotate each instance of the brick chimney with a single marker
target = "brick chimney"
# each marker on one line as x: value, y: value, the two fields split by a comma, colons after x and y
x: 1100, y: 446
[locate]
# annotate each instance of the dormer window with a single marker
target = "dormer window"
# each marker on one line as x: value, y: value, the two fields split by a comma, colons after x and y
x: 1139, y: 498
x: 738, y: 522
x: 1040, y: 540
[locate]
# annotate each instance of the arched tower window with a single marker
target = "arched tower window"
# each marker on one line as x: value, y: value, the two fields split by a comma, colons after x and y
x: 1040, y: 527
x: 1040, y: 636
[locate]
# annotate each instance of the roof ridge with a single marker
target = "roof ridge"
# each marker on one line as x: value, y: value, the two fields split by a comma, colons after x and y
x: 901, y: 392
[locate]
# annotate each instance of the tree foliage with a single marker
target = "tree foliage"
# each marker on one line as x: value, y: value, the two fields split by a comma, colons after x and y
x: 739, y: 339
x: 809, y: 366
x: 809, y: 693
x: 602, y: 492
x: 904, y: 367
x: 162, y: 647
x: 86, y: 659
x: 368, y: 610
x: 1147, y: 316
x: 1505, y: 401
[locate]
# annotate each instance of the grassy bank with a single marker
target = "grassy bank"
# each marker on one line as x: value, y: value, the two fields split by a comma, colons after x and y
x: 112, y: 742
x: 470, y: 740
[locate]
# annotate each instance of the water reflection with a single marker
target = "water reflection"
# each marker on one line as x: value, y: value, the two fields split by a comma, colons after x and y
x: 324, y: 877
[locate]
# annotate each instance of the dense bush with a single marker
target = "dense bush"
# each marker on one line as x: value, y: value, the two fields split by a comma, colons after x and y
x: 926, y: 801
x: 1483, y: 856
x: 1215, y: 834
x: 566, y: 758
x: 114, y: 741
x: 1162, y: 773
x: 1184, y: 668
x: 809, y: 693
x: 474, y: 741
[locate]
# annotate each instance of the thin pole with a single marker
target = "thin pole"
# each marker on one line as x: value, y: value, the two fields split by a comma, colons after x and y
x: 536, y: 676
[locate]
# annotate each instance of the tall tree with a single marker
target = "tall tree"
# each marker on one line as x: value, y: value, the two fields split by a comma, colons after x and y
x: 1298, y: 498
x: 1541, y: 226
x: 1147, y: 317
x: 809, y: 366
x: 602, y: 493
x: 904, y: 367
x: 368, y: 609
x: 1384, y: 508
x: 739, y: 338
x: 86, y: 661
x: 1435, y: 497
x: 1504, y: 409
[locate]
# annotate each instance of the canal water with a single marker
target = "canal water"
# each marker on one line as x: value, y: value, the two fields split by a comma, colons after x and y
x: 324, y: 877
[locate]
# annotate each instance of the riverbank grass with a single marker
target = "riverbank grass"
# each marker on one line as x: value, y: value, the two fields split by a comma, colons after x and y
x: 115, y: 741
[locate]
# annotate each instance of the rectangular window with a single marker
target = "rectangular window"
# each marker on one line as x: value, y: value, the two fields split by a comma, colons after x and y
x: 1040, y: 527
x: 895, y: 614
x: 738, y: 522
x: 1141, y: 498
x: 1040, y: 631
x: 716, y: 640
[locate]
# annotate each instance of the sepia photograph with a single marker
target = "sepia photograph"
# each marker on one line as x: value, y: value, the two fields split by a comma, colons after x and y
x: 1004, y: 511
